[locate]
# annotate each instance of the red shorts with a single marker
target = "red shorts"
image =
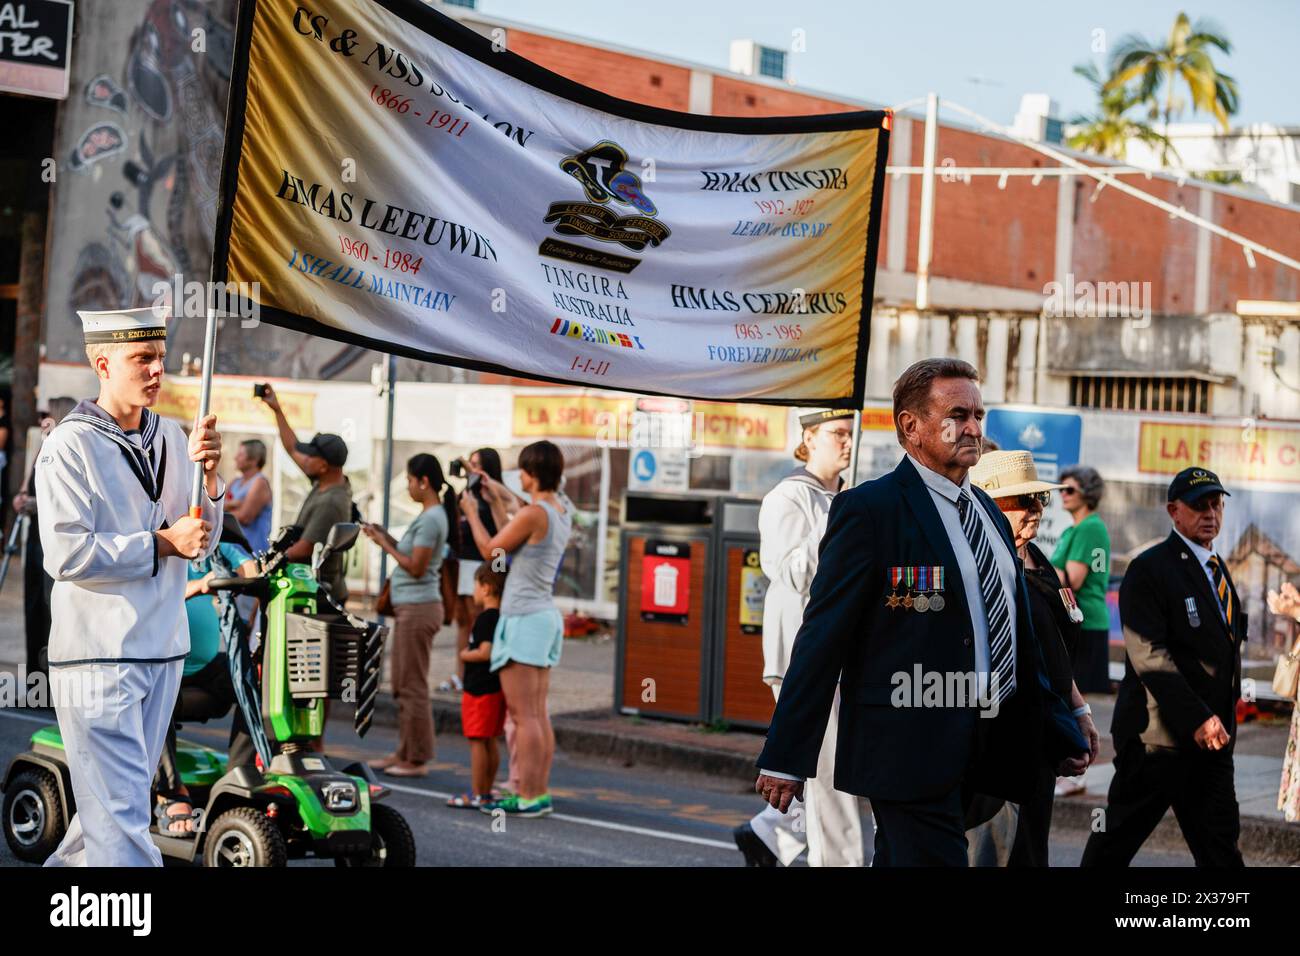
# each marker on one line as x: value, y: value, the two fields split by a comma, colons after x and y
x: 483, y: 715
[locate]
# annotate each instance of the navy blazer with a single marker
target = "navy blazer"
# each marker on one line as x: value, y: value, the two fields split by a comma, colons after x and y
x: 1182, y: 665
x: 850, y: 636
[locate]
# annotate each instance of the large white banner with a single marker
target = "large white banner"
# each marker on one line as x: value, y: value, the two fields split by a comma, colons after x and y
x: 393, y: 179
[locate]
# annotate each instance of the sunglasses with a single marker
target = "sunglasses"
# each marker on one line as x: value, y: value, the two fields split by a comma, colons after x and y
x: 1068, y: 490
x: 1043, y: 498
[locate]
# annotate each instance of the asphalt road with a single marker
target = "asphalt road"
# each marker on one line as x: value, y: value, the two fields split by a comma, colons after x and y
x: 607, y: 814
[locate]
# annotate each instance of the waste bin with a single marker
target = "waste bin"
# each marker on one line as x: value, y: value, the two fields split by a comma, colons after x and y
x: 690, y: 626
x: 665, y: 628
x: 739, y: 695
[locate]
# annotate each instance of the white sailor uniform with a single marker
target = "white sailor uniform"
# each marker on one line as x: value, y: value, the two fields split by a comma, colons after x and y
x: 118, y: 634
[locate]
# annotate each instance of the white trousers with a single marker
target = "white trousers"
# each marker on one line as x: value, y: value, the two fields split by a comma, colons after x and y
x: 114, y: 719
x: 827, y: 822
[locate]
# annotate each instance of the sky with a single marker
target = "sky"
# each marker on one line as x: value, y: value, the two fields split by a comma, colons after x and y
x: 981, y: 55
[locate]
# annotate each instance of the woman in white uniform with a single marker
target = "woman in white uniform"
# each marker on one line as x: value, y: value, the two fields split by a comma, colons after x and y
x: 791, y: 523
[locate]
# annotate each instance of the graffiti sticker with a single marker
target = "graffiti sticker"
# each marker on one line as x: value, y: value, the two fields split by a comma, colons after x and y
x: 104, y: 91
x: 99, y: 142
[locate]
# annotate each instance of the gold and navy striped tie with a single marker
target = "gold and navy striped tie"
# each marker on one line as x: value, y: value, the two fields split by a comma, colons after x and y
x: 1221, y: 588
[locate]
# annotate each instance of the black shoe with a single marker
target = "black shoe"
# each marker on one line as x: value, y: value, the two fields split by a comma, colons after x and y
x: 755, y: 850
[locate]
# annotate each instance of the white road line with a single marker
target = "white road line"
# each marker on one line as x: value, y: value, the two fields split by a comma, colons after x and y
x: 585, y: 821
x: 440, y: 795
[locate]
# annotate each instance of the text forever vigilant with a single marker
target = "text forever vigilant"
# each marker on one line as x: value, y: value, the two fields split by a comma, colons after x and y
x: 386, y: 218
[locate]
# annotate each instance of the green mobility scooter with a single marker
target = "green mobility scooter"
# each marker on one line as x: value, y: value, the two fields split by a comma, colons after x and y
x: 293, y: 803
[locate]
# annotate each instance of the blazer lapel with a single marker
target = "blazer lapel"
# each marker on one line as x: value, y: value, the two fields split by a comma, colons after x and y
x: 919, y: 502
x: 1195, y: 575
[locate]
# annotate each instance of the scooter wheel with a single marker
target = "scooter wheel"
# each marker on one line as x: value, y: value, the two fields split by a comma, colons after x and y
x: 33, y: 815
x: 392, y: 843
x: 244, y: 837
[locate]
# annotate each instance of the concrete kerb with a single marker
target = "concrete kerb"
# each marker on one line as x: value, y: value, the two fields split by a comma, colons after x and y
x: 573, y: 737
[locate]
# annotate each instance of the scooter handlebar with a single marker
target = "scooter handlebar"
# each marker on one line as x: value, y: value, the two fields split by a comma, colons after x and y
x: 235, y: 584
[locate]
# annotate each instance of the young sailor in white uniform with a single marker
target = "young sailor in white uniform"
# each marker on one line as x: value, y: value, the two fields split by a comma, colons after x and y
x: 113, y: 483
x: 791, y: 523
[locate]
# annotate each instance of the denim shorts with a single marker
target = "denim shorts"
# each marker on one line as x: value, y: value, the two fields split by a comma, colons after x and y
x: 535, y: 639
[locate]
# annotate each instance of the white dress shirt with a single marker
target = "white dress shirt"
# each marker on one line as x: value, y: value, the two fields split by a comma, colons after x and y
x: 1203, y: 555
x: 944, y: 494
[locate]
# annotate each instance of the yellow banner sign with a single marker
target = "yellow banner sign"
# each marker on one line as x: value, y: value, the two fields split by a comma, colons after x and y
x: 608, y: 419
x: 1234, y: 453
x: 878, y: 419
x: 567, y: 416
x: 234, y: 405
x: 756, y: 427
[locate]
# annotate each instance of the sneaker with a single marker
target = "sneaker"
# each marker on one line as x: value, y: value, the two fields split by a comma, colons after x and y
x: 1069, y: 786
x: 516, y: 806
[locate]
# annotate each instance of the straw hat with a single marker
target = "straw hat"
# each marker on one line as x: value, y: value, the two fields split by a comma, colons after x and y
x: 1004, y: 474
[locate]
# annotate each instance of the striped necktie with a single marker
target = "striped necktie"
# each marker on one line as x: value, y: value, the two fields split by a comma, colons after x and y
x: 1001, y: 658
x: 1221, y: 589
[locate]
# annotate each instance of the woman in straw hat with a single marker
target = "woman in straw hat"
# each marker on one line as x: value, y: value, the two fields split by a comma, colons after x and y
x: 1011, y: 480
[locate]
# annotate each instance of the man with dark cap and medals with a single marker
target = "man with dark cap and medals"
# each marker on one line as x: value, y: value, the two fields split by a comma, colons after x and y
x: 791, y: 523
x: 113, y: 484
x: 1175, y: 715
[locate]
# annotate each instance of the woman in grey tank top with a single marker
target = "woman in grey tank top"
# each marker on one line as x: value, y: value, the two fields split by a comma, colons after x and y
x: 530, y: 632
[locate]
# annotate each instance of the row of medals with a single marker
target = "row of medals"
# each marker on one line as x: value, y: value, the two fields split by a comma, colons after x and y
x: 921, y: 602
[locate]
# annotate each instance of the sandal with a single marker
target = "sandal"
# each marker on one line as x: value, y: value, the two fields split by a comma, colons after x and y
x: 407, y: 770
x: 468, y: 801
x: 166, y: 821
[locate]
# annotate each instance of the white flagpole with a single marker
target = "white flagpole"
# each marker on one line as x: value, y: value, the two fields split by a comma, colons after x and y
x: 853, y: 456
x: 205, y: 398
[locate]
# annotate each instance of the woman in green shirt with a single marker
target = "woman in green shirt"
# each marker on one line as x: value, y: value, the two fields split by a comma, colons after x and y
x: 1082, y: 562
x: 417, y: 606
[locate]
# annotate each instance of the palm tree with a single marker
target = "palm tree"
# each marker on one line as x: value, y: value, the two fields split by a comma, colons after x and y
x: 1157, y: 68
x: 1108, y: 131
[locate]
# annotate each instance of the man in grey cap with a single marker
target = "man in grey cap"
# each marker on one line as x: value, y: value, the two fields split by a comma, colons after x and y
x: 328, y: 503
x: 1175, y: 715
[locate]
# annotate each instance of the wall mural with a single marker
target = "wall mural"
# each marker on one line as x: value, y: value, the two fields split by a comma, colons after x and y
x: 135, y: 201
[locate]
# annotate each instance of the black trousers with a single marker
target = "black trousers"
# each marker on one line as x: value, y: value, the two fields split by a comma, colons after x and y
x: 921, y: 832
x: 204, y: 696
x: 36, y: 601
x: 1198, y: 785
x: 1090, y: 661
x: 932, y: 832
x: 1035, y: 824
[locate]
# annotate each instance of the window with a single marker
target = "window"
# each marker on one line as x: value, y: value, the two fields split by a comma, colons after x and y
x: 771, y: 62
x: 467, y: 4
x: 711, y: 473
x: 1135, y: 394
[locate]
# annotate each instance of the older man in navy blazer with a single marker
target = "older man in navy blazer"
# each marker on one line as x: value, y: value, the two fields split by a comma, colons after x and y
x: 919, y: 613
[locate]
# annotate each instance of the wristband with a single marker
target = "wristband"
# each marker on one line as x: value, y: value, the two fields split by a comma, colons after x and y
x: 1080, y: 711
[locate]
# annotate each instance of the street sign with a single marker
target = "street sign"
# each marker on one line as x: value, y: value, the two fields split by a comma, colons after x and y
x: 1051, y: 437
x: 36, y: 47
